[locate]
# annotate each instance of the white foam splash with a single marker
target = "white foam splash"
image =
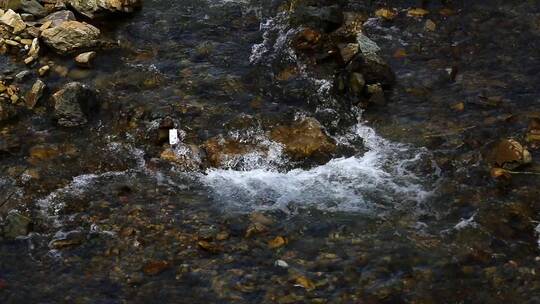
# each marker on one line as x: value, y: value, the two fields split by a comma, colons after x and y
x: 381, y: 178
x: 52, y: 204
x: 276, y: 35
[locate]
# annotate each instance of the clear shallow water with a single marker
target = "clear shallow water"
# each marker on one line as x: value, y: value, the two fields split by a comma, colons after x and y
x: 407, y: 219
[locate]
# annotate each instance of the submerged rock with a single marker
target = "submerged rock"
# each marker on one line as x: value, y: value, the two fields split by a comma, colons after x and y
x: 16, y: 225
x: 73, y: 104
x: 304, y: 139
x: 91, y: 8
x: 71, y: 36
x: 35, y: 94
x: 223, y: 152
x: 187, y: 157
x: 510, y: 154
x: 67, y: 239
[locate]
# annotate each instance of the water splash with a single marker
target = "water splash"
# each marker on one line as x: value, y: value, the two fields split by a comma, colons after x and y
x: 382, y: 178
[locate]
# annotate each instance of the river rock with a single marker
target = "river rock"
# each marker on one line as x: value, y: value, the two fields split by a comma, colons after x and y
x: 57, y: 18
x: 73, y: 103
x: 34, y: 48
x: 187, y: 157
x: 35, y: 94
x: 33, y: 7
x: 223, y: 152
x: 326, y: 18
x: 71, y: 36
x: 510, y: 154
x: 13, y: 20
x: 91, y: 8
x: 16, y: 225
x: 348, y: 51
x: 67, y: 239
x: 304, y: 139
x: 85, y: 59
x: 373, y: 68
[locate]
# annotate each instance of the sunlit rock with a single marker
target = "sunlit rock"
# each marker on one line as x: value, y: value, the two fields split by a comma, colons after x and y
x: 71, y: 36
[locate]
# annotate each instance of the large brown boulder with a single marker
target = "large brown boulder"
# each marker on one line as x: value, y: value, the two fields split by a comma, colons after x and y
x: 71, y: 36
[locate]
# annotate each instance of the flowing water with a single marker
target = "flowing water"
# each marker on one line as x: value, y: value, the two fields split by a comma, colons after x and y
x: 408, y: 215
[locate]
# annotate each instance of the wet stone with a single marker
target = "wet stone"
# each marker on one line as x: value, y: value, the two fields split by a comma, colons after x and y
x: 67, y: 239
x: 510, y: 154
x: 304, y: 139
x: 73, y: 103
x: 155, y: 267
x: 16, y: 224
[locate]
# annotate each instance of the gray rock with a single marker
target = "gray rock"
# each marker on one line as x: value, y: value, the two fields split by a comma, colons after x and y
x: 73, y: 104
x: 33, y: 7
x: 71, y: 36
x: 366, y: 45
x: 19, y: 77
x: 59, y: 17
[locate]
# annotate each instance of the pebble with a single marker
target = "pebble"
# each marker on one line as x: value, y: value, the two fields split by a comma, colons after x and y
x: 281, y: 263
x: 43, y: 70
x: 85, y: 59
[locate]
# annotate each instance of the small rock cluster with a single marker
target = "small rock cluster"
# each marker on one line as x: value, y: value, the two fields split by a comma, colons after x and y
x: 28, y: 25
x: 332, y: 43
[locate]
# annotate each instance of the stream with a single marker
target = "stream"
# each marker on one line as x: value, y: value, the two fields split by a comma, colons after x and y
x: 404, y: 210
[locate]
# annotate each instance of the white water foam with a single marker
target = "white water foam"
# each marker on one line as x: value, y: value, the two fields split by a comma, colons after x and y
x: 52, y: 204
x: 382, y: 178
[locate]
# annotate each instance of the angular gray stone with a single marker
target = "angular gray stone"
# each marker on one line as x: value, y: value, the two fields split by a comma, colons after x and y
x: 59, y: 17
x: 33, y: 7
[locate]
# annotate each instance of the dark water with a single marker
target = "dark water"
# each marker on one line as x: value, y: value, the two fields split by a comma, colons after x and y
x: 412, y: 216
